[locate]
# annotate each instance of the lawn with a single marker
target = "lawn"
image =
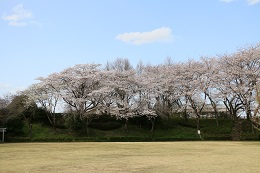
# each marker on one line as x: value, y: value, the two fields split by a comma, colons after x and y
x: 131, y: 157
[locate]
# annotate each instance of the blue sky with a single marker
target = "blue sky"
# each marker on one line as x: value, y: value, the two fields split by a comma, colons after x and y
x: 40, y: 37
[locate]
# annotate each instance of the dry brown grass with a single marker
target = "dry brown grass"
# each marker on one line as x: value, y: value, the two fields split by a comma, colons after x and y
x: 131, y: 157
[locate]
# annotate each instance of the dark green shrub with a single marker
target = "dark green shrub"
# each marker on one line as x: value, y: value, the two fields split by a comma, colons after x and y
x: 209, y: 126
x: 3, y: 115
x: 105, y: 125
x: 164, y: 123
x: 141, y: 121
x: 41, y: 117
x: 52, y: 139
x: 74, y: 124
x: 250, y: 136
x: 190, y: 123
x: 217, y: 137
x: 105, y: 118
x: 105, y: 122
x: 129, y: 139
x: 246, y: 126
x: 162, y: 139
x: 91, y: 139
x: 17, y: 139
x: 14, y: 125
x: 174, y: 122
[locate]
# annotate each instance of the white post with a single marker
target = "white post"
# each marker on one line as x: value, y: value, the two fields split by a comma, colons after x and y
x: 3, y: 134
x: 199, y: 133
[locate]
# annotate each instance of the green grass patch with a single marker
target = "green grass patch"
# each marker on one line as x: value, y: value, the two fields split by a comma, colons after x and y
x: 174, y: 129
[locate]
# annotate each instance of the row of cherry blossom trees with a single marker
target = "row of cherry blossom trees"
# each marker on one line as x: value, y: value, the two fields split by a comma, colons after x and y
x: 118, y: 89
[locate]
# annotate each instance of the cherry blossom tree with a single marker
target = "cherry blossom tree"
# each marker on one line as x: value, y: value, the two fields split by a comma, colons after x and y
x: 127, y: 96
x: 125, y: 88
x: 147, y: 88
x: 255, y: 119
x: 81, y: 87
x: 46, y: 95
x: 164, y: 88
x: 238, y: 78
x: 210, y: 90
x: 190, y: 83
x: 161, y: 76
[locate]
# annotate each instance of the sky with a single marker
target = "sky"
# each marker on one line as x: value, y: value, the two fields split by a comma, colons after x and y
x: 40, y: 37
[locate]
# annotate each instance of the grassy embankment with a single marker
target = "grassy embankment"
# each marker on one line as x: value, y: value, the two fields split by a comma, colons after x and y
x: 172, y: 130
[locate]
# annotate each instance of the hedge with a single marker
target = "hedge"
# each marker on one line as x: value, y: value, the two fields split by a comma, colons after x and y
x: 49, y: 139
x: 90, y: 139
x: 17, y: 139
x: 164, y: 139
x: 128, y: 139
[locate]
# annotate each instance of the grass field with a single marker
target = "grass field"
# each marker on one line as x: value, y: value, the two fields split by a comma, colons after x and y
x: 131, y: 157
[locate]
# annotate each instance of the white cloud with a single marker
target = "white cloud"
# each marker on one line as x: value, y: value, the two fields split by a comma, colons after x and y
x: 253, y: 2
x: 19, y: 16
x: 16, y: 23
x: 250, y: 2
x: 163, y: 34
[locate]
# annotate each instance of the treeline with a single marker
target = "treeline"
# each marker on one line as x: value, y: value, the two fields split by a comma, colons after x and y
x: 31, y: 124
x: 88, y: 91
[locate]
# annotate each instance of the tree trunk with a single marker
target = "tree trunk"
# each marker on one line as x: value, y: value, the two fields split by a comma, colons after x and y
x: 87, y: 130
x: 54, y: 122
x: 253, y: 129
x: 153, y: 122
x: 216, y: 116
x: 87, y: 124
x: 248, y: 114
x: 198, y: 123
x: 30, y: 131
x: 236, y: 130
x: 197, y: 113
x: 185, y: 115
x: 214, y: 106
x: 126, y: 124
x: 51, y: 119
